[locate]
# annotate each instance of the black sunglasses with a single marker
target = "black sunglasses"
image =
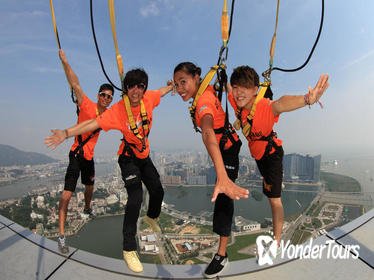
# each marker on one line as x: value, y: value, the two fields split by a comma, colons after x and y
x: 103, y: 94
x: 140, y: 86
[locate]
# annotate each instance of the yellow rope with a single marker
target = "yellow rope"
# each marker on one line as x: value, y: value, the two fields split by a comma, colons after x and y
x: 225, y: 24
x: 272, y: 47
x: 54, y: 24
x: 113, y: 24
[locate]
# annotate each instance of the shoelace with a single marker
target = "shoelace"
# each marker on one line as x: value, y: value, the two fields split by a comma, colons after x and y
x: 133, y: 256
x: 62, y: 242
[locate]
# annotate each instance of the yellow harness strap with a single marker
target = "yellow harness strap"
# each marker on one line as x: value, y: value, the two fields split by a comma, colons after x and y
x: 238, y: 123
x: 130, y: 116
x: 58, y: 41
x: 272, y: 46
x: 113, y: 24
x: 204, y: 84
x: 225, y: 24
x: 54, y: 24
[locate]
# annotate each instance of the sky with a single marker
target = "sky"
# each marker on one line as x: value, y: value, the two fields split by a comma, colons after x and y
x: 157, y: 35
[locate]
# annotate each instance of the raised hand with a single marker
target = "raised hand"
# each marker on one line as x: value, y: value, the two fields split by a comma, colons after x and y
x: 230, y: 189
x: 56, y: 138
x: 316, y: 93
x: 62, y: 55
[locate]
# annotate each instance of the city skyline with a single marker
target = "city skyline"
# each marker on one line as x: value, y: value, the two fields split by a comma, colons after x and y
x: 156, y: 35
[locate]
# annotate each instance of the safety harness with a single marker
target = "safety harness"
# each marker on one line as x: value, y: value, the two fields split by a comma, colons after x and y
x: 264, y: 91
x: 221, y: 81
x: 145, y: 125
x: 81, y: 143
x: 79, y: 148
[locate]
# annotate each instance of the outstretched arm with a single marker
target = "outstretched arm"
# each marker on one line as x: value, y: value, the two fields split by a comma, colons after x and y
x: 72, y: 77
x: 168, y: 88
x: 223, y: 184
x: 58, y: 136
x: 289, y: 103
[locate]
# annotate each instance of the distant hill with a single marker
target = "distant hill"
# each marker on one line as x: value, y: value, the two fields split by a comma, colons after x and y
x: 11, y: 156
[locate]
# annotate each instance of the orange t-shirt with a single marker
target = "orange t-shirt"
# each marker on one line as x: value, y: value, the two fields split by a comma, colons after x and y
x: 262, y: 125
x: 87, y: 111
x: 116, y: 118
x: 209, y: 103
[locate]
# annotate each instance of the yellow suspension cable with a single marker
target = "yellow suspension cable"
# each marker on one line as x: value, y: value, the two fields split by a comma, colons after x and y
x: 113, y: 24
x: 225, y: 24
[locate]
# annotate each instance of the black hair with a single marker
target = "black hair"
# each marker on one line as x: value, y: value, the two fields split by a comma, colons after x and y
x: 135, y: 77
x: 189, y: 68
x: 245, y: 76
x: 106, y: 87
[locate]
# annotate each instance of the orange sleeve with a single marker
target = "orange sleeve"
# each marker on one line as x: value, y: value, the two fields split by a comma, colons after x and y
x: 86, y: 103
x: 204, y: 107
x: 154, y: 97
x: 112, y: 118
x: 276, y: 119
x: 232, y: 101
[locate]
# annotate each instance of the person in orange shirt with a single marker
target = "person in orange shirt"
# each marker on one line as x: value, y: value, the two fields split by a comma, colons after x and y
x: 82, y: 151
x: 263, y: 143
x: 133, y: 116
x: 224, y: 151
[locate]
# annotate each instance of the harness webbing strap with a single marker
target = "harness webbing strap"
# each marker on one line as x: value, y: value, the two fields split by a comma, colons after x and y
x: 246, y: 129
x: 82, y: 143
x: 225, y: 24
x: 130, y: 116
x: 272, y: 46
x: 113, y: 24
x: 204, y: 84
x: 54, y: 24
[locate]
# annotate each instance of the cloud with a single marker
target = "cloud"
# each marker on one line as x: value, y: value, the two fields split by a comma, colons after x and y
x: 150, y: 10
x: 358, y: 60
x: 47, y: 70
x: 23, y: 47
x: 27, y: 14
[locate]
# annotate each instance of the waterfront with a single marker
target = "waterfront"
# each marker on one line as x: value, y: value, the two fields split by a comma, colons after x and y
x: 21, y: 187
x: 106, y: 233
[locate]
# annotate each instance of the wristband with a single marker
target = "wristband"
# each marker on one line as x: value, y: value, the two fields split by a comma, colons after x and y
x: 306, y: 100
x: 66, y: 134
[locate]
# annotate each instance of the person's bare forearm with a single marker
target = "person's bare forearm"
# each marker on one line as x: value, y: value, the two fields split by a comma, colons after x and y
x: 288, y: 103
x: 83, y: 127
x: 72, y: 78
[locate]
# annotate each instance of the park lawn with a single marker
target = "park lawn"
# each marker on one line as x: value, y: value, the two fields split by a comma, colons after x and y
x: 166, y: 220
x: 317, y: 210
x: 296, y: 236
x: 205, y: 229
x: 326, y: 221
x: 208, y: 255
x: 340, y: 183
x: 305, y: 236
x: 240, y: 243
x: 146, y: 258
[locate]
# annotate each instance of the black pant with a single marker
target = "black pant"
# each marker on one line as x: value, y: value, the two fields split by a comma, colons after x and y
x: 134, y: 172
x: 79, y: 165
x: 224, y: 206
x: 271, y: 169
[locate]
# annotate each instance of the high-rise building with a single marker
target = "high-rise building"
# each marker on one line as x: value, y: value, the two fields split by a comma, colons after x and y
x: 301, y: 168
x: 211, y: 175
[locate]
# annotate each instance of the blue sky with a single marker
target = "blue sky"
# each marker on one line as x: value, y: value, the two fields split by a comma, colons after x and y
x: 157, y: 35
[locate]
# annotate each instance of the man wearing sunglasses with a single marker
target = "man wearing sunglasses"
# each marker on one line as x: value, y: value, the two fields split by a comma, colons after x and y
x: 82, y: 151
x: 133, y: 116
